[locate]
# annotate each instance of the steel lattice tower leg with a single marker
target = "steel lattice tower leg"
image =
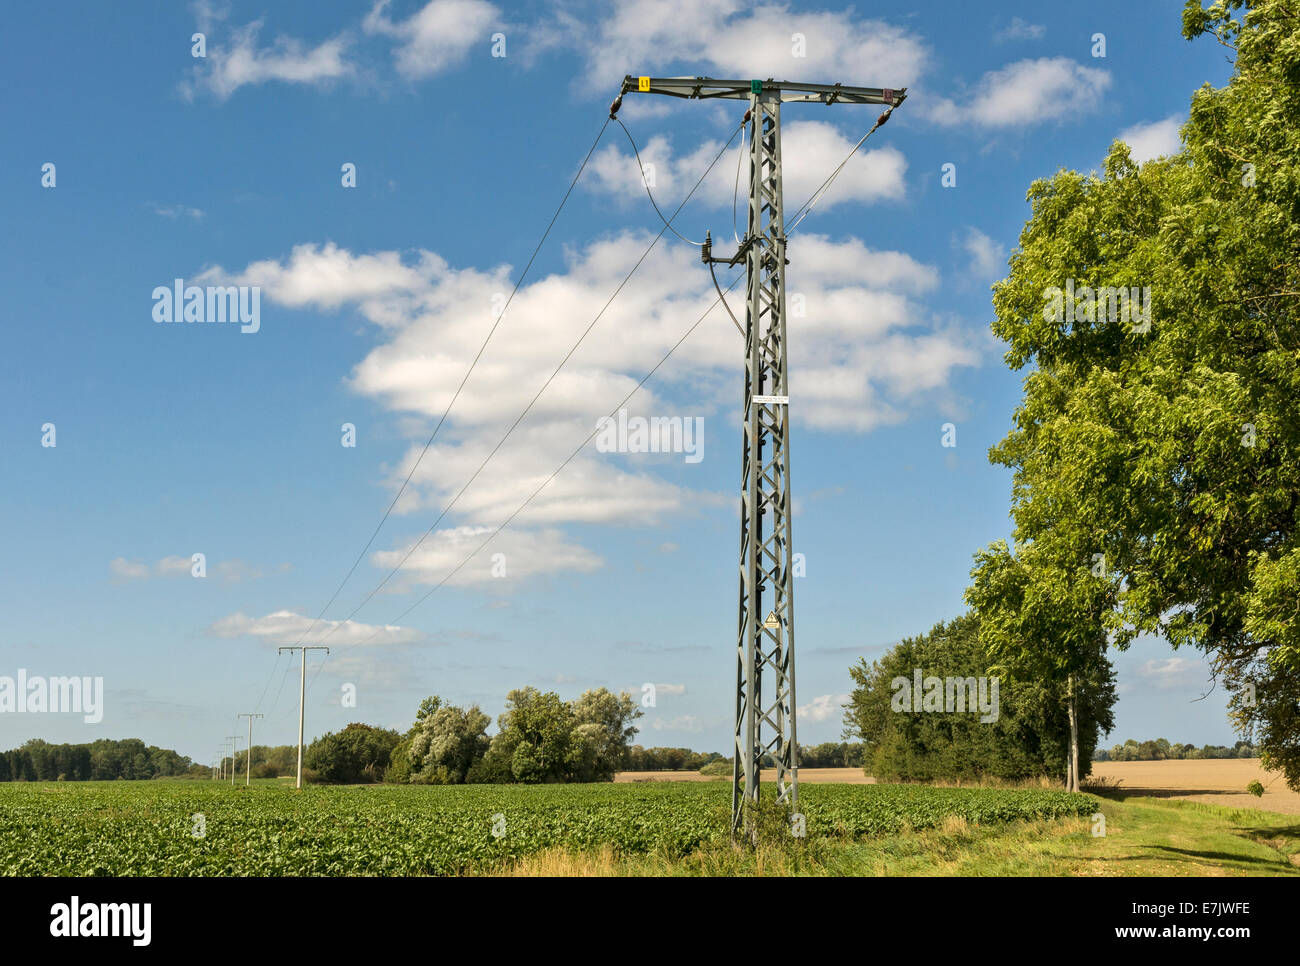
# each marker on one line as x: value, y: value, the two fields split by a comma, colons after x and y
x: 765, y: 644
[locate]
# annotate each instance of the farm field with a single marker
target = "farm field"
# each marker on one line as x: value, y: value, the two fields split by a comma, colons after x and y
x: 153, y: 828
x: 1216, y: 781
x: 1212, y: 781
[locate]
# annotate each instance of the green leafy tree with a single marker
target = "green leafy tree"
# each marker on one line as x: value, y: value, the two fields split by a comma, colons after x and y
x: 603, y: 728
x: 359, y: 753
x: 1174, y: 450
x: 447, y: 742
x: 1028, y: 738
x: 534, y: 737
x: 1043, y: 613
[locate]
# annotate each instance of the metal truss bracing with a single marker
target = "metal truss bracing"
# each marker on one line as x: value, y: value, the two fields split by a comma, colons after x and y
x: 765, y: 638
x: 765, y: 696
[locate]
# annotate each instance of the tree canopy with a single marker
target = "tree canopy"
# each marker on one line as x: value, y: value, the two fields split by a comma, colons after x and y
x: 1170, y: 452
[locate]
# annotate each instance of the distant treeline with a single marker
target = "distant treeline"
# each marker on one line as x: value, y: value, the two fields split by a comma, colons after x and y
x: 830, y: 754
x: 102, y: 760
x: 1161, y: 749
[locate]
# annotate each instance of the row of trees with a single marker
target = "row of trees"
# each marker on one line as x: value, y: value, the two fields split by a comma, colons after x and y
x: 637, y: 758
x: 1022, y: 731
x: 1156, y: 455
x: 102, y: 760
x: 829, y: 754
x: 540, y: 738
x: 1161, y: 749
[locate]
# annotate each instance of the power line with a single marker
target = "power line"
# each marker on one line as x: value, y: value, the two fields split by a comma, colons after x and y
x: 802, y: 212
x: 816, y: 195
x: 644, y: 379
x: 641, y: 168
x: 645, y: 254
x: 456, y: 394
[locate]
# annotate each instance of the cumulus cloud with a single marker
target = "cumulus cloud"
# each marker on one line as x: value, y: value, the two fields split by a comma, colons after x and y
x: 824, y: 707
x: 287, y: 627
x: 243, y: 60
x: 512, y: 555
x: 867, y: 353
x: 1048, y: 89
x: 810, y: 150
x: 987, y: 257
x: 1152, y: 140
x: 730, y: 38
x: 435, y: 38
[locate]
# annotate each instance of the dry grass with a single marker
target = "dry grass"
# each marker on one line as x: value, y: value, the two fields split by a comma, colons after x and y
x: 564, y: 862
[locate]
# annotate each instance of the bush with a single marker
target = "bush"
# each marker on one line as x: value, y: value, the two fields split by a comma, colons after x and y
x: 358, y: 753
x: 717, y: 769
x: 399, y: 763
x: 1255, y: 788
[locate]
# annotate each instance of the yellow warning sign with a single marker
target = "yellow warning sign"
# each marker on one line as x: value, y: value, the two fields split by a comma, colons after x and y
x: 643, y: 83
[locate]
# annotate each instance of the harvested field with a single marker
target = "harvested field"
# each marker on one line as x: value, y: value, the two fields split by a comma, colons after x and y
x: 1220, y: 781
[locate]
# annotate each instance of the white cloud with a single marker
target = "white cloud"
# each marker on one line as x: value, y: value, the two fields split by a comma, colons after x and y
x: 824, y: 707
x: 1026, y: 92
x: 435, y: 38
x: 1152, y: 140
x: 1021, y: 29
x: 228, y: 67
x: 810, y: 151
x: 523, y: 553
x: 987, y: 257
x: 124, y: 569
x: 1172, y: 673
x: 866, y: 353
x: 730, y: 38
x: 175, y: 211
x: 230, y: 571
x: 683, y: 722
x: 175, y: 566
x: 287, y: 627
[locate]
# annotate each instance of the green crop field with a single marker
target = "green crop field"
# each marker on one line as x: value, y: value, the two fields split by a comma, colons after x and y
x: 149, y: 828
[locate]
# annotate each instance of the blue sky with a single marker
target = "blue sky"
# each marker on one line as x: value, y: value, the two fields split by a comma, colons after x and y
x: 177, y: 439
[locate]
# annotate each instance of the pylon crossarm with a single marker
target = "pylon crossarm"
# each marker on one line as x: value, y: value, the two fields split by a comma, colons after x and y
x: 705, y: 88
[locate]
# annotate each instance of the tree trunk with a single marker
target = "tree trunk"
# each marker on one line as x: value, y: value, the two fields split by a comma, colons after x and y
x: 1074, y: 738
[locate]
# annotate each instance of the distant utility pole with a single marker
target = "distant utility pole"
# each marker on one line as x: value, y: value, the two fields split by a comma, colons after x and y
x: 766, y: 613
x: 234, y: 747
x: 248, y: 777
x: 302, y: 693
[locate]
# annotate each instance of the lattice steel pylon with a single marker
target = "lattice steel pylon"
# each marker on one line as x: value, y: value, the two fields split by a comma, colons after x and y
x: 765, y: 635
